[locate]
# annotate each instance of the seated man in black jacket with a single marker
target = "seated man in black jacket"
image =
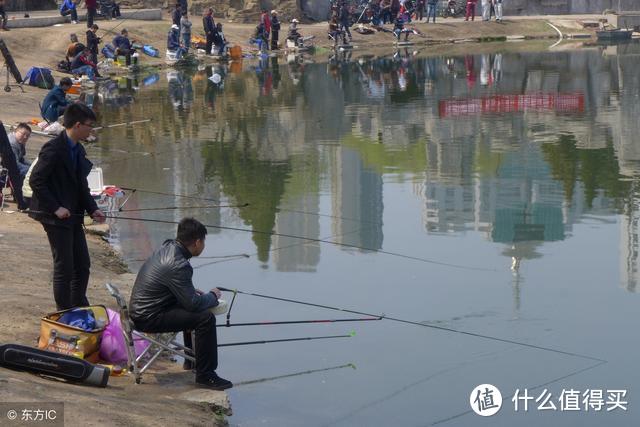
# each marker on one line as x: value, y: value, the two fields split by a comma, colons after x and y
x: 163, y: 299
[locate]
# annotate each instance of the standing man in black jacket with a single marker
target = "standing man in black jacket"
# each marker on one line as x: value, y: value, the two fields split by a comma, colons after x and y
x: 60, y: 198
x: 164, y: 299
x: 275, y: 29
x: 209, y: 29
x: 92, y: 42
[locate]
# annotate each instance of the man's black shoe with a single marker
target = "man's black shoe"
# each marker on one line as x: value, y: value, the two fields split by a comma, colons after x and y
x: 214, y: 382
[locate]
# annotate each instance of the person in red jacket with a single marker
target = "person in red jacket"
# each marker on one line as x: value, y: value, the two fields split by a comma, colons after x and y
x: 265, y: 20
x: 471, y: 10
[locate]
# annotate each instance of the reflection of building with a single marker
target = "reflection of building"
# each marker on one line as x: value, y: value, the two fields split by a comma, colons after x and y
x: 299, y: 215
x: 357, y: 205
x: 629, y: 242
x: 295, y: 254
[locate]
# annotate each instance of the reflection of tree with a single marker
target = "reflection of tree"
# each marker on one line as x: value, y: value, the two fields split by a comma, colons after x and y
x: 409, y: 158
x: 248, y: 179
x: 598, y: 169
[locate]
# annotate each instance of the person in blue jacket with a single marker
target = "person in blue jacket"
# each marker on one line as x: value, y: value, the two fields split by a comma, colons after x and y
x: 55, y: 102
x: 68, y: 7
x: 123, y: 45
x: 173, y: 42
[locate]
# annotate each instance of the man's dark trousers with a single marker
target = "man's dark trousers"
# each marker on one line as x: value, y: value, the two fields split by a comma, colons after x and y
x: 91, y: 15
x: 209, y: 43
x: 71, y: 265
x: 203, y: 322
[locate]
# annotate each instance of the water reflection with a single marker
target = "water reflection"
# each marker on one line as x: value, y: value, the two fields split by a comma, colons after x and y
x: 519, y: 147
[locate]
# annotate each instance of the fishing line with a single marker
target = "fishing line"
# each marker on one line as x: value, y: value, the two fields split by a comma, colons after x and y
x: 176, y: 207
x: 298, y: 322
x: 410, y: 322
x: 206, y: 257
x: 410, y: 386
x: 279, y: 248
x: 571, y: 374
x: 311, y: 239
x: 122, y: 21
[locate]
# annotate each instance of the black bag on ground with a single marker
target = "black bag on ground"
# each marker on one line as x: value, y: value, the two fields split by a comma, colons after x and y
x: 15, y: 356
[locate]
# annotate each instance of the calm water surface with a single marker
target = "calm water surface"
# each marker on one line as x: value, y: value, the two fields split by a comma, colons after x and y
x: 509, y: 179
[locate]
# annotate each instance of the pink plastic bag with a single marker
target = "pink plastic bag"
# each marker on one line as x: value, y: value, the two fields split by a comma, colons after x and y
x: 113, y: 348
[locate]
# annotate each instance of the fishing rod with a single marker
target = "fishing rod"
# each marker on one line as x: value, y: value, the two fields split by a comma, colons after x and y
x: 122, y: 21
x: 296, y: 374
x: 349, y: 335
x: 410, y: 322
x: 162, y: 193
x: 176, y: 207
x: 311, y: 239
x: 135, y: 122
x: 297, y: 322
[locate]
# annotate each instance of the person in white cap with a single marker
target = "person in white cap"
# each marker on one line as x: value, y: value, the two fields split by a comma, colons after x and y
x: 173, y: 41
x: 294, y: 35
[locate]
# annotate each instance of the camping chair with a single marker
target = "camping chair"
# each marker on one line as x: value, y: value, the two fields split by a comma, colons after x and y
x: 5, y: 183
x: 159, y: 343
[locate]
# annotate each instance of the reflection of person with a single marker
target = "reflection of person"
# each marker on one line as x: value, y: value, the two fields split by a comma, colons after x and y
x: 18, y: 140
x: 164, y: 299
x: 60, y: 198
x: 55, y: 102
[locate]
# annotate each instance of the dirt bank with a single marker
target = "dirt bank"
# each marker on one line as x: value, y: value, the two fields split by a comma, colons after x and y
x: 27, y: 295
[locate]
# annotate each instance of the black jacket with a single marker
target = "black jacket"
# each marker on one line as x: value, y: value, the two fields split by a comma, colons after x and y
x: 57, y: 183
x: 92, y: 41
x: 164, y: 282
x: 275, y: 24
x: 209, y: 25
